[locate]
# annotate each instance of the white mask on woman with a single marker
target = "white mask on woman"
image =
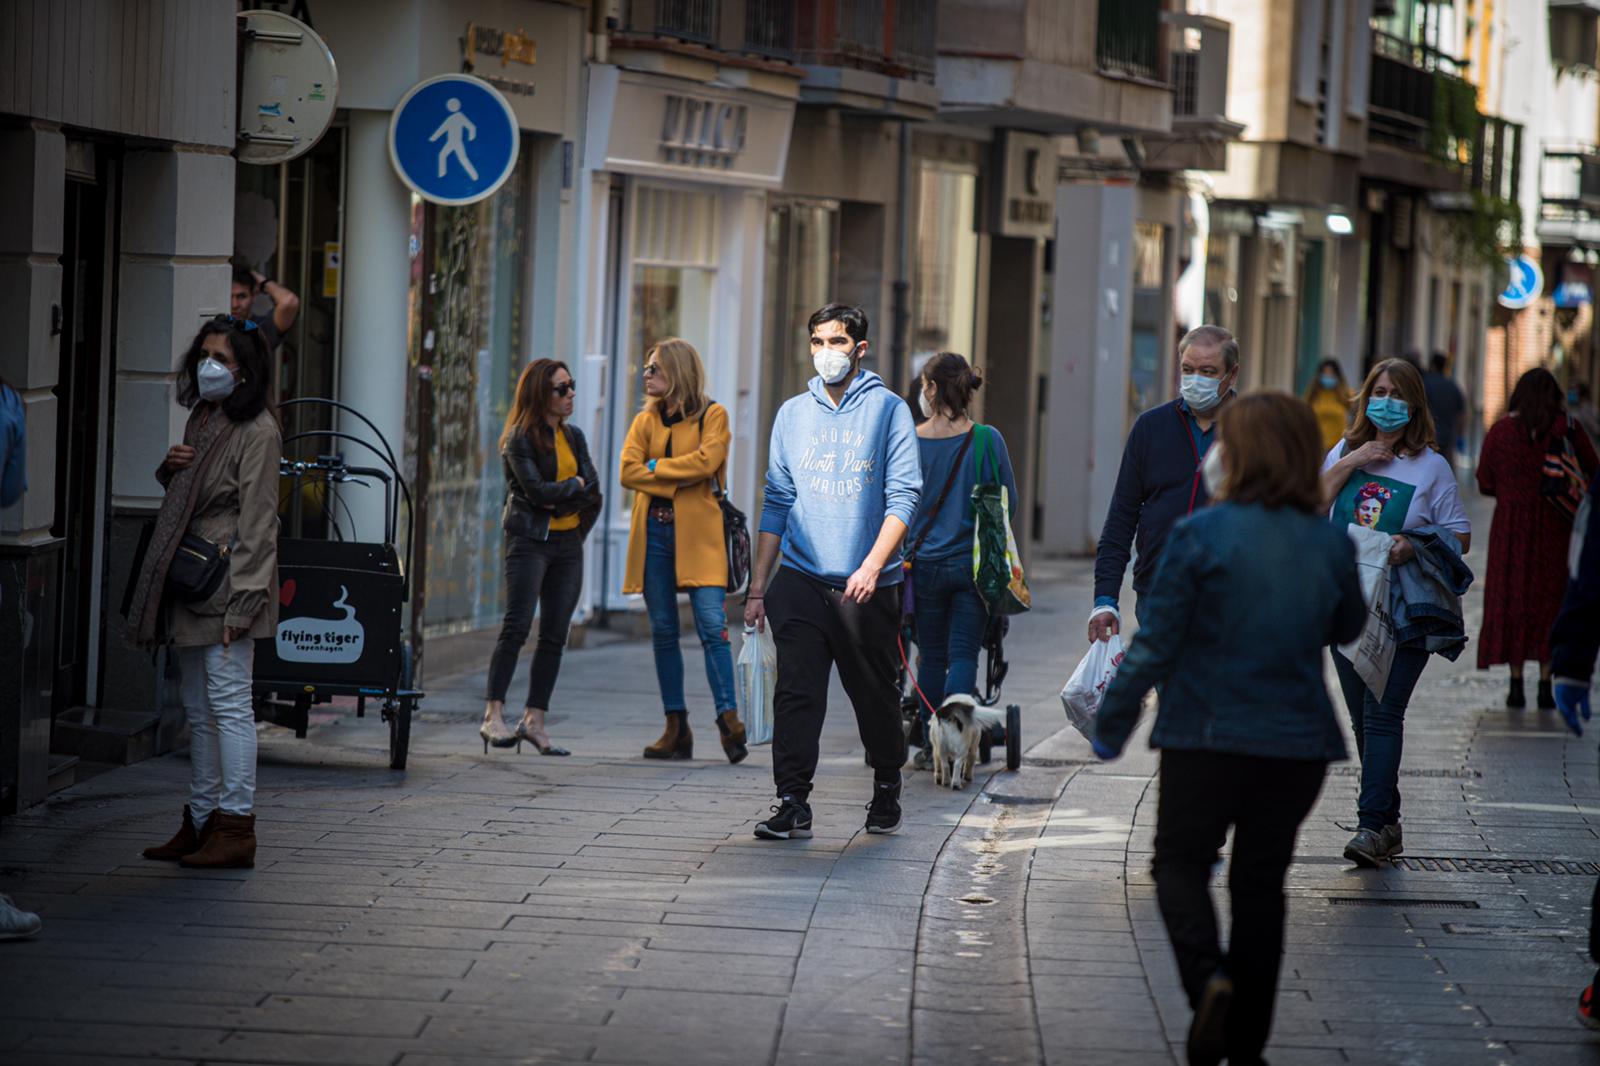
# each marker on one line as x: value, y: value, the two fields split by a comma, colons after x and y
x: 1211, y: 472
x: 922, y: 402
x: 216, y: 381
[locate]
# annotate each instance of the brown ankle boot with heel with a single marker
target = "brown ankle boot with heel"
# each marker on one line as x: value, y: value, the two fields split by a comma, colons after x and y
x: 677, y: 742
x: 231, y: 845
x: 186, y: 841
x: 732, y: 730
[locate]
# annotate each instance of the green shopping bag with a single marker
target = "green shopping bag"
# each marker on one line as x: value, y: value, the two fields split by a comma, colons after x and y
x: 996, y: 563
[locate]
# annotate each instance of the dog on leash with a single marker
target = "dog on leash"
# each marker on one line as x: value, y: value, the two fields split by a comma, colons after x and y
x: 955, y: 731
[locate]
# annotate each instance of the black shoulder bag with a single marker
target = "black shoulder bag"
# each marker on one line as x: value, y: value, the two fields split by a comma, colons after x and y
x: 735, y: 531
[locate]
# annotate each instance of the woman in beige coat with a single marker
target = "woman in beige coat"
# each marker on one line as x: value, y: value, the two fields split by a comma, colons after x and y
x: 221, y: 499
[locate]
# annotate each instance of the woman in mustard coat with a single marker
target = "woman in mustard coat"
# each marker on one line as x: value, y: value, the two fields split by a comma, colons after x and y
x: 675, y: 460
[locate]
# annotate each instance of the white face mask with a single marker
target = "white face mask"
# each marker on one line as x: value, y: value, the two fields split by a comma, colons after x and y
x: 1211, y: 472
x: 922, y: 402
x: 216, y: 381
x: 833, y: 365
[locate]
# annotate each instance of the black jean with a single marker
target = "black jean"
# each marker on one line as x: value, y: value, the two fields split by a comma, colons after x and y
x: 1265, y: 800
x: 549, y: 573
x: 815, y: 628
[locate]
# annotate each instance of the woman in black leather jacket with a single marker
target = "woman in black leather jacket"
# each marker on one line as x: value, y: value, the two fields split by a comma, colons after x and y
x: 552, y: 501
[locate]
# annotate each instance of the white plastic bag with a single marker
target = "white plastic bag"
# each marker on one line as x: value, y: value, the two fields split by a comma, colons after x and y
x: 1086, y: 688
x: 1372, y: 653
x: 756, y: 677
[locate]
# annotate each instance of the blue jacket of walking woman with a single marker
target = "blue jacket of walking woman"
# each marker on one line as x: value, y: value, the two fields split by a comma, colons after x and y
x: 13, y: 447
x: 1232, y: 634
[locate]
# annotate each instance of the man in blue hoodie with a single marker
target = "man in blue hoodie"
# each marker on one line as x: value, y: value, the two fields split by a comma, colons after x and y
x: 843, y: 478
x: 1160, y: 481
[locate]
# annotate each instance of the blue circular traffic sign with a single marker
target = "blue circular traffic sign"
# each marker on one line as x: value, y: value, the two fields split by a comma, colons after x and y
x: 1525, y: 283
x: 453, y: 139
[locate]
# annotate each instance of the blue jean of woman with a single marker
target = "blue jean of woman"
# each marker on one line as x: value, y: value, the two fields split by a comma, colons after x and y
x: 710, y: 622
x: 951, y: 617
x: 1379, y: 726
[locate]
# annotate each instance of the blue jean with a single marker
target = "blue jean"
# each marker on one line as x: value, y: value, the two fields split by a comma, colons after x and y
x: 710, y: 622
x: 951, y: 618
x: 1379, y: 726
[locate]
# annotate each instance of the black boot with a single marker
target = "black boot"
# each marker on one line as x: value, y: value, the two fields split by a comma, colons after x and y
x: 1515, y: 698
x: 1547, y: 696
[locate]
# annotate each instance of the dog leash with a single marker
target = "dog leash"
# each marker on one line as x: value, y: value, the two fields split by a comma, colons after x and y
x: 900, y: 642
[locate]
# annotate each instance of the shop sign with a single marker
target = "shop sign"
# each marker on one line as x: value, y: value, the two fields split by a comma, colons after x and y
x: 1024, y: 203
x: 1525, y: 284
x: 700, y: 132
x: 509, y: 47
x: 453, y: 139
x: 651, y: 125
x: 1573, y: 294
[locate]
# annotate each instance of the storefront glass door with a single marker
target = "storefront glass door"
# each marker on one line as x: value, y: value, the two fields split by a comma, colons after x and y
x: 802, y: 267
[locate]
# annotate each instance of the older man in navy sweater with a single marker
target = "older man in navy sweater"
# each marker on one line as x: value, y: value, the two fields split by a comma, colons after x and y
x: 1160, y: 480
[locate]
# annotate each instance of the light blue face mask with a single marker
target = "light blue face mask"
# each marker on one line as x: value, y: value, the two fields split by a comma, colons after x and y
x: 1329, y: 381
x: 1198, y: 391
x: 1388, y: 413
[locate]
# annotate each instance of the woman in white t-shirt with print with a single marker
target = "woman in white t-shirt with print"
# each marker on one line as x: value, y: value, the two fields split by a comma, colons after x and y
x: 1388, y: 475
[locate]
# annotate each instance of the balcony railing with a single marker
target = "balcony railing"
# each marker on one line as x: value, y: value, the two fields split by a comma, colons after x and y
x: 1569, y: 180
x: 769, y: 28
x: 894, y: 37
x: 695, y: 21
x: 1200, y: 68
x: 1128, y: 38
x: 1419, y: 101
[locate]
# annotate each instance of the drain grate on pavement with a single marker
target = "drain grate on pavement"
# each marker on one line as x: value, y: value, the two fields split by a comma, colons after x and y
x: 1434, y: 864
x: 1410, y: 904
x: 1021, y: 801
x: 1458, y: 772
x: 1029, y: 760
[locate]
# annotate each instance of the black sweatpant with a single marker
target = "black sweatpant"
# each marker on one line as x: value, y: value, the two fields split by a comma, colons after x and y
x: 1265, y: 800
x: 816, y: 628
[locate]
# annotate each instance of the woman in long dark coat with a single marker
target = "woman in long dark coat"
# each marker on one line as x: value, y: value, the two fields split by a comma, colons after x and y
x: 1529, y: 537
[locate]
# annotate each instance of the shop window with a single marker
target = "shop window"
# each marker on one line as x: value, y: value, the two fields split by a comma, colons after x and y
x: 479, y: 256
x: 946, y: 278
x: 802, y: 271
x: 1149, y: 317
x: 673, y: 274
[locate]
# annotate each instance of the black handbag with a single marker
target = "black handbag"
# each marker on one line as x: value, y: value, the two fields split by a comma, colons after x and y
x: 736, y: 535
x: 197, y: 569
x: 735, y: 532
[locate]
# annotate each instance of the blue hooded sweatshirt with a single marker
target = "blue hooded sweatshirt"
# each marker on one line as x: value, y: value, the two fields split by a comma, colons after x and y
x: 13, y: 447
x: 834, y: 473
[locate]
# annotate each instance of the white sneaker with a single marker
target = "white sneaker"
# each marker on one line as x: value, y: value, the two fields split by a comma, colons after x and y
x: 16, y: 923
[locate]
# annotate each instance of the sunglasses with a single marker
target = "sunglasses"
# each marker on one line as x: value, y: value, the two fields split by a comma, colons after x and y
x: 565, y: 390
x: 651, y: 370
x: 244, y: 324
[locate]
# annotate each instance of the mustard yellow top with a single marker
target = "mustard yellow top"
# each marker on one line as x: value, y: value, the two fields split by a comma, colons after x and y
x: 566, y: 466
x: 1333, y: 415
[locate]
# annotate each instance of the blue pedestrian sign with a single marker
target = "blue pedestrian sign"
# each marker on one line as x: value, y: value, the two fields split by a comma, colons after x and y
x: 453, y: 139
x: 1525, y: 284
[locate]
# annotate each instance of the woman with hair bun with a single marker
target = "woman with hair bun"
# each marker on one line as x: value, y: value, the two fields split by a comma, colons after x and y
x: 950, y: 615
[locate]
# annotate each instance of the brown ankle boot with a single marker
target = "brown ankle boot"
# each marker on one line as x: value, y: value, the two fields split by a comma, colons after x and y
x: 732, y: 731
x: 186, y: 841
x: 231, y: 844
x: 677, y: 742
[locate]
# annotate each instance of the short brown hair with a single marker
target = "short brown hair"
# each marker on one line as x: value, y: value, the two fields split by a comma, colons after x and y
x: 1406, y: 379
x: 1212, y: 337
x: 1271, y: 452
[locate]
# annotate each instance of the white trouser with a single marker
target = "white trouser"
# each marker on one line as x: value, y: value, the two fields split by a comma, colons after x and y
x: 222, y: 728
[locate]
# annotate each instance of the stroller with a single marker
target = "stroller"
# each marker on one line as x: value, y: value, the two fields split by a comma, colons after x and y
x: 915, y: 716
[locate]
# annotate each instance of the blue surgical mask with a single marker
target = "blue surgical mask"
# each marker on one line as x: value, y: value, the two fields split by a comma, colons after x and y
x: 1328, y: 381
x: 1388, y: 413
x: 1198, y: 391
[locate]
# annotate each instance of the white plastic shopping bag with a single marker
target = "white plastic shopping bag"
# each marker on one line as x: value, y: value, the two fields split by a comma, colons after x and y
x: 1086, y: 688
x: 1372, y: 653
x: 756, y: 676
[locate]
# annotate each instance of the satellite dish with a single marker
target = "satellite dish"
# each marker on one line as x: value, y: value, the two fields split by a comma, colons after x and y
x: 288, y: 88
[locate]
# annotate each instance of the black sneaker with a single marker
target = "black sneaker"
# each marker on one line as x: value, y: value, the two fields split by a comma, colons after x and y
x: 1208, y: 1030
x: 883, y: 813
x: 791, y: 820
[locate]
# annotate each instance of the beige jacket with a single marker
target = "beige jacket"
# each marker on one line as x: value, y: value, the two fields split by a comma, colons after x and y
x: 237, y: 505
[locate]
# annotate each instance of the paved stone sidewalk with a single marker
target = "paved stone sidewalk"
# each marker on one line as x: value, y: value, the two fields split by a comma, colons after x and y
x: 489, y: 909
x: 501, y: 907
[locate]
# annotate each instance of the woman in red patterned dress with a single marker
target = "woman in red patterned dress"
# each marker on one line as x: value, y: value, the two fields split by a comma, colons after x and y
x: 1528, y: 539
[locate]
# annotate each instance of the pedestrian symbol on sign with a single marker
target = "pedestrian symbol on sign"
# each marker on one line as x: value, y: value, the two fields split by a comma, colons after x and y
x: 450, y: 129
x: 453, y: 139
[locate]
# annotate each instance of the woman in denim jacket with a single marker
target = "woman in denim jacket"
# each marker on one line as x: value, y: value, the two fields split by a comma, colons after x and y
x: 1248, y: 594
